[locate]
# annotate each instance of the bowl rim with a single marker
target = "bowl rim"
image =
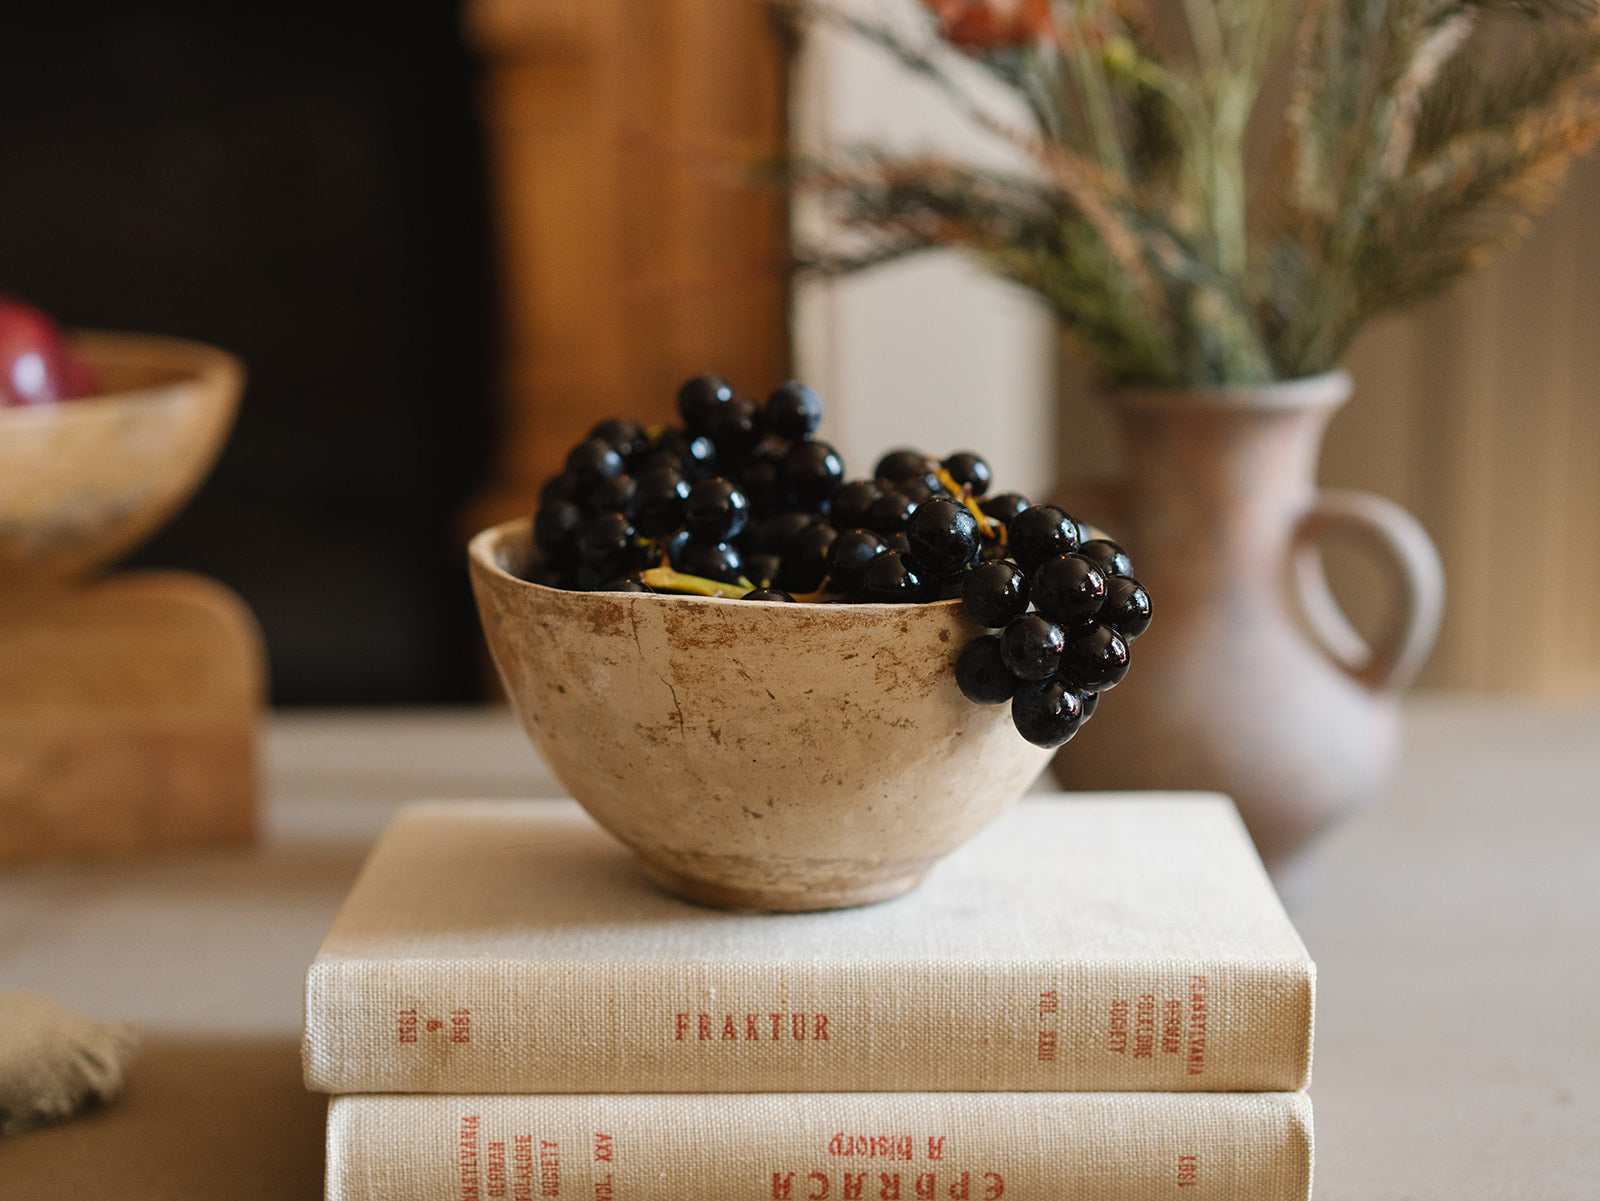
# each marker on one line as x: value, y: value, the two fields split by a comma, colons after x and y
x: 192, y: 363
x: 480, y: 552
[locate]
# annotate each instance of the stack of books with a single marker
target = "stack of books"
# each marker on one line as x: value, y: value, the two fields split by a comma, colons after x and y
x: 1097, y: 998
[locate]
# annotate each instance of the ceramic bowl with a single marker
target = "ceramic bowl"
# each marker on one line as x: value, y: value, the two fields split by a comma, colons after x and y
x: 754, y: 754
x: 82, y: 482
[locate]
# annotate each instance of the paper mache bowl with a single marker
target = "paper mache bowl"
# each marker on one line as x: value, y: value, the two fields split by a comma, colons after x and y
x: 83, y: 482
x: 757, y: 755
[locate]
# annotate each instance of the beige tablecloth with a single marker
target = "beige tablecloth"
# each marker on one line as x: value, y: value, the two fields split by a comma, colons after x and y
x: 1456, y: 925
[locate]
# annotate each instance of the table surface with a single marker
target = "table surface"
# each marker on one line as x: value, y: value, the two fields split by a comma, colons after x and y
x: 1455, y: 923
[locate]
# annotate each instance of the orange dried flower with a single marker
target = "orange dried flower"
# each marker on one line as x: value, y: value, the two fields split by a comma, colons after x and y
x: 978, y: 25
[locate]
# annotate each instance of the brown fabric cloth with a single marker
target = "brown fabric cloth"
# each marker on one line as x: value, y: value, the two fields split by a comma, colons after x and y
x: 201, y: 1120
x: 53, y: 1062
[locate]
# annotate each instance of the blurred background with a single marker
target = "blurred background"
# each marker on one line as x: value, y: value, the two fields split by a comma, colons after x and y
x: 447, y: 238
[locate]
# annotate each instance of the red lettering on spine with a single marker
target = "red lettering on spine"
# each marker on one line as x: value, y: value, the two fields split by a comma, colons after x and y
x: 994, y: 1187
x: 777, y: 1026
x: 820, y: 1031
x: 936, y: 1147
x: 1171, y: 1027
x: 1188, y: 1171
x: 467, y: 1158
x: 888, y: 1186
x: 549, y: 1169
x: 823, y: 1184
x: 522, y: 1169
x: 682, y: 1024
x: 924, y: 1186
x: 1195, y: 1061
x: 494, y: 1171
x: 961, y: 1190
x: 729, y: 1030
x: 782, y: 1186
x: 1144, y: 1027
x: 752, y: 1032
x: 705, y: 1026
x: 1119, y: 1027
x: 853, y: 1186
x: 602, y: 1148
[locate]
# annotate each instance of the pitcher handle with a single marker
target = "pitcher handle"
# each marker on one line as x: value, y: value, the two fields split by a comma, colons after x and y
x: 1380, y: 525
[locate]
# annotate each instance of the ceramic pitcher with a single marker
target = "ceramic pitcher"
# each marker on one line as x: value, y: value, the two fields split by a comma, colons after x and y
x: 1250, y: 681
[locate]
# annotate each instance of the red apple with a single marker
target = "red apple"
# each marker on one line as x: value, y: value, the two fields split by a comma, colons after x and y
x: 36, y: 364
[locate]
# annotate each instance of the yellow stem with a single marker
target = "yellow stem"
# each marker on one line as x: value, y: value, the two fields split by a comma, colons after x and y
x: 665, y: 579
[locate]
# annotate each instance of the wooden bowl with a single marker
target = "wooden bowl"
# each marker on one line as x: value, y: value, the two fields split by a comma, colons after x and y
x: 82, y: 482
x: 754, y: 754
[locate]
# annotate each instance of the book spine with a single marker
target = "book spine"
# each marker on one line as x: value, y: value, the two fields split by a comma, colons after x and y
x: 484, y: 1027
x: 822, y: 1147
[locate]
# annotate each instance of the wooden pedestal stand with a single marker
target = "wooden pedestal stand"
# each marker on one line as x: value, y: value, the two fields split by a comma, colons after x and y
x: 129, y: 712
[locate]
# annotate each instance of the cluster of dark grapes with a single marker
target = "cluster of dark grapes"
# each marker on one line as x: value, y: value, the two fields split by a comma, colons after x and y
x: 1066, y: 608
x: 743, y: 500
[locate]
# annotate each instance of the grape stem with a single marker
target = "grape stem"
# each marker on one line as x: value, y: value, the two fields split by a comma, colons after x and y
x: 665, y: 579
x: 989, y: 527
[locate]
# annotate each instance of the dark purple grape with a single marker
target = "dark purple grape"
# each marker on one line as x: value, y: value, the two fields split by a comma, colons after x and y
x: 1096, y: 658
x: 560, y: 487
x: 690, y: 454
x: 710, y: 561
x: 890, y: 580
x: 848, y: 556
x: 624, y: 584
x: 734, y: 426
x: 1004, y: 507
x: 555, y: 529
x: 982, y: 674
x: 794, y: 411
x: 852, y: 502
x: 547, y: 575
x: 672, y: 546
x: 1046, y: 712
x: 889, y: 512
x: 1032, y: 647
x: 899, y: 465
x: 761, y: 475
x: 624, y: 434
x: 813, y: 472
x: 716, y: 510
x: 768, y: 594
x: 1040, y: 533
x: 614, y: 495
x: 592, y: 460
x: 778, y: 532
x: 1110, y: 558
x: 995, y: 594
x: 762, y: 568
x: 606, y: 540
x: 920, y: 488
x: 968, y: 470
x: 899, y: 543
x: 1068, y: 589
x: 806, y: 561
x: 943, y: 536
x: 1126, y: 608
x: 700, y: 397
x: 1091, y: 702
x: 658, y: 500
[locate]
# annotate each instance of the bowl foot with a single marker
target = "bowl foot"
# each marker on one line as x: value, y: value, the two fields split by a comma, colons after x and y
x: 786, y: 898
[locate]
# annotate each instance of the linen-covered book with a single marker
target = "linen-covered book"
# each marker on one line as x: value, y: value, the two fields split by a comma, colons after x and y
x: 1126, y: 941
x: 823, y: 1147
